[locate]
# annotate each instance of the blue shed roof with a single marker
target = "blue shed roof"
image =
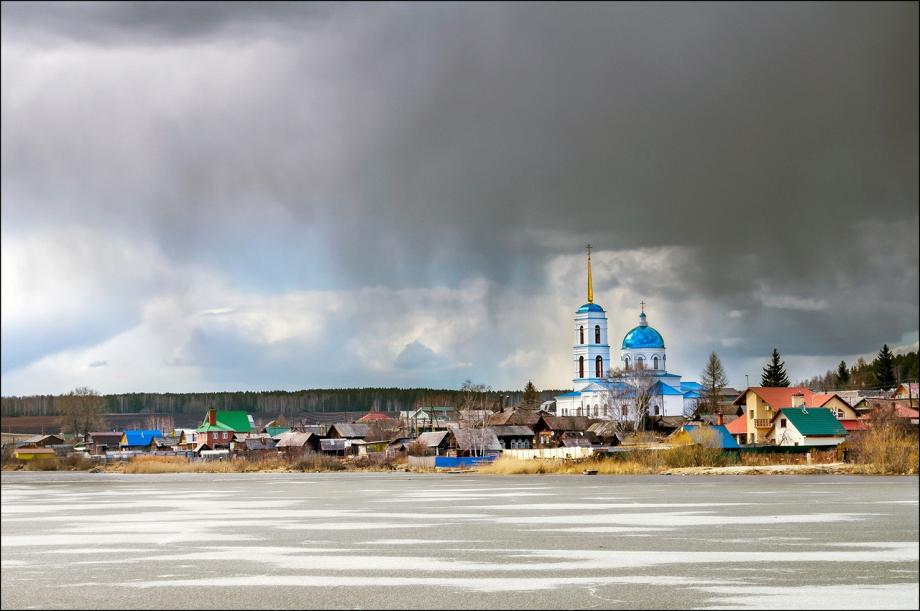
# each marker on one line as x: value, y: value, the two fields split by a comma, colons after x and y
x: 728, y: 442
x: 139, y: 438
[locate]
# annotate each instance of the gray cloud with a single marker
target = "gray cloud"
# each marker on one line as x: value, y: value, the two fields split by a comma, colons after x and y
x: 299, y: 146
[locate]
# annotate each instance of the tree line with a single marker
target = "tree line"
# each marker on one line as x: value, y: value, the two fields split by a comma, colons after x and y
x: 269, y: 403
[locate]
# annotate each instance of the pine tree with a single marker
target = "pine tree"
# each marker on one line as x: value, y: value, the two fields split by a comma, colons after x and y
x: 774, y: 374
x: 843, y: 374
x: 531, y: 398
x: 713, y: 380
x: 883, y: 367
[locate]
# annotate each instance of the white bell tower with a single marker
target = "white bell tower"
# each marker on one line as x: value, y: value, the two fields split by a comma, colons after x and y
x: 591, y: 349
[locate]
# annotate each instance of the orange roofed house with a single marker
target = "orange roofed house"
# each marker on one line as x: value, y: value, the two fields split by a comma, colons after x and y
x: 762, y: 403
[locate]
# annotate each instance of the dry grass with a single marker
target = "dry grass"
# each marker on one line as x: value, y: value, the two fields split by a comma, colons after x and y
x: 888, y: 448
x: 173, y: 464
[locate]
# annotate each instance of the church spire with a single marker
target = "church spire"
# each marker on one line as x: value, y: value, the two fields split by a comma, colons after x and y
x: 590, y: 283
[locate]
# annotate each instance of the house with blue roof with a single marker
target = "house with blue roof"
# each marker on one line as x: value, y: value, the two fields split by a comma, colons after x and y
x: 137, y: 440
x: 708, y: 435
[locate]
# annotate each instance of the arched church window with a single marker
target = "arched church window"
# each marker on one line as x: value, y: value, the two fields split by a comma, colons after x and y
x: 599, y: 367
x: 597, y: 334
x: 657, y: 410
x: 595, y: 411
x: 581, y: 367
x: 655, y: 361
x: 640, y: 362
x: 626, y: 360
x: 624, y: 411
x: 581, y: 335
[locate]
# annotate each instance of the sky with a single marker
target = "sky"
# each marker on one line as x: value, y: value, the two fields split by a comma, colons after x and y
x: 259, y: 196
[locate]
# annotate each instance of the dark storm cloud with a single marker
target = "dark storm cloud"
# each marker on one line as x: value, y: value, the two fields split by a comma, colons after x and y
x: 421, y: 144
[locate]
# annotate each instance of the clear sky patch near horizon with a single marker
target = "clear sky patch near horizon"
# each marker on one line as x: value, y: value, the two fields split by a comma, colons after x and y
x: 203, y: 196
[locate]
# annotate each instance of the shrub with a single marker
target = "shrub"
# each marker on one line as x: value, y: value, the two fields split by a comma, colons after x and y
x: 890, y: 446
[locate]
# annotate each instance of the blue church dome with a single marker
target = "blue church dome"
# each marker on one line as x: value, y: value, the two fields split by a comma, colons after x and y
x: 643, y: 336
x: 589, y: 307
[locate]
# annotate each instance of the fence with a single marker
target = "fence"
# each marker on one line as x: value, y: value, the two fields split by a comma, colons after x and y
x: 421, y: 462
x: 549, y: 453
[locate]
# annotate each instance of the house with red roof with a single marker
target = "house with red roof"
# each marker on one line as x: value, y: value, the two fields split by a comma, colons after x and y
x: 762, y: 403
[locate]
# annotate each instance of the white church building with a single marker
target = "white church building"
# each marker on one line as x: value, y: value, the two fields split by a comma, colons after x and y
x: 643, y: 361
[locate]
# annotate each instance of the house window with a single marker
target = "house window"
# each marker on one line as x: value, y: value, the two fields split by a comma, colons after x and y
x: 782, y: 423
x: 581, y: 367
x: 581, y: 335
x: 655, y: 360
x: 597, y: 334
x: 599, y: 367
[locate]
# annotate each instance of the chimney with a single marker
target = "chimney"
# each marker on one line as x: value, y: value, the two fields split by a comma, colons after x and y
x: 212, y: 416
x: 798, y: 400
x: 719, y: 419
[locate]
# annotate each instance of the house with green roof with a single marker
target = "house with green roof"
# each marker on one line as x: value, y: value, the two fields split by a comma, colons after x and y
x: 218, y: 427
x: 806, y: 426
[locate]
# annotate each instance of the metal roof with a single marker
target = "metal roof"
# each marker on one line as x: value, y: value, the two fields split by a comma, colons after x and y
x: 432, y: 439
x: 511, y: 430
x: 139, y: 438
x: 238, y: 421
x: 294, y: 439
x: 818, y: 421
x: 349, y: 430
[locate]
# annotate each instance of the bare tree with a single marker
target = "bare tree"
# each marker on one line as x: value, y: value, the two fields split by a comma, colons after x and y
x: 473, y: 415
x: 164, y: 423
x: 80, y: 411
x: 629, y: 395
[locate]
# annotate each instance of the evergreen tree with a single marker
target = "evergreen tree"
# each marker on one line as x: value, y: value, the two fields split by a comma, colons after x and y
x: 774, y: 374
x: 531, y: 398
x: 883, y: 367
x: 713, y: 380
x: 843, y: 374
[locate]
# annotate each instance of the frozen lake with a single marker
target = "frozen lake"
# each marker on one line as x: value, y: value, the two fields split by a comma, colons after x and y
x: 356, y: 540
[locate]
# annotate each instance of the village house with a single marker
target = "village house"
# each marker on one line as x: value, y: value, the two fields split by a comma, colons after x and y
x: 137, y: 440
x: 762, y: 403
x: 98, y: 443
x: 296, y: 443
x: 219, y: 427
x: 162, y: 444
x: 347, y: 430
x: 805, y: 426
x: 186, y: 439
x: 436, y: 442
x: 472, y: 441
x: 41, y: 441
x: 514, y: 437
x: 549, y: 431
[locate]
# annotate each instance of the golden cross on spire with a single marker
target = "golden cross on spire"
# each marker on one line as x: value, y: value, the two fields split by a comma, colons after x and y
x: 590, y: 282
x: 642, y: 304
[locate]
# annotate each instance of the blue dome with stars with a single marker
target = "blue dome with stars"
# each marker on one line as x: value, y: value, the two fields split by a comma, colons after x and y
x: 643, y: 336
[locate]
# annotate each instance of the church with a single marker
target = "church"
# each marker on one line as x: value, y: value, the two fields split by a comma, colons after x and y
x: 604, y: 391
